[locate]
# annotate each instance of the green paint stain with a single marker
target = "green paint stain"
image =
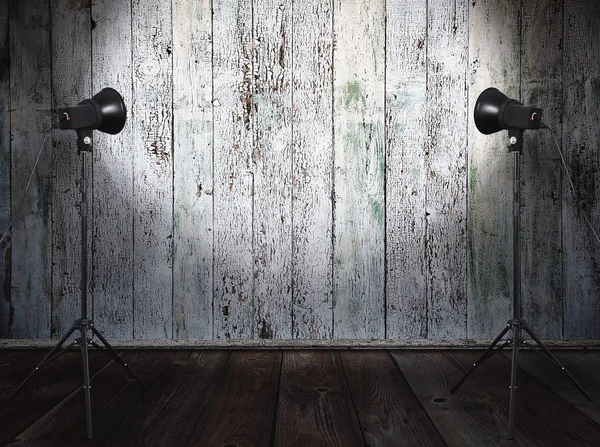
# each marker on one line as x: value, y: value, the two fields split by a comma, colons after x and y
x: 472, y: 178
x: 378, y: 211
x: 353, y: 95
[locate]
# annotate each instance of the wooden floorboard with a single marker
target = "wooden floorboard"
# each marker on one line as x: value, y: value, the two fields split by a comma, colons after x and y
x: 315, y: 405
x: 49, y: 387
x: 584, y: 366
x: 242, y: 408
x: 535, y: 404
x: 300, y: 398
x: 469, y: 418
x: 168, y: 414
x: 389, y: 412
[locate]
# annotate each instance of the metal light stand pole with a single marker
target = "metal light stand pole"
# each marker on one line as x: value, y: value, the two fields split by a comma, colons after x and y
x: 516, y: 324
x: 83, y: 324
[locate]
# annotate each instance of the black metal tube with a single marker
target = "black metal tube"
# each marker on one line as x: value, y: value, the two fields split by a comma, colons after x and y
x: 516, y: 248
x: 84, y: 230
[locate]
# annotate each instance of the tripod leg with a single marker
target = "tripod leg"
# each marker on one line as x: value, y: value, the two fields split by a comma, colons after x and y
x: 488, y: 353
x: 47, y: 359
x: 558, y: 363
x: 108, y: 350
x: 513, y: 379
x: 86, y: 380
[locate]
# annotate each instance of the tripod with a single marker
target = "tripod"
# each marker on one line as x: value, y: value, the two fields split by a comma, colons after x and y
x: 83, y: 324
x: 517, y: 325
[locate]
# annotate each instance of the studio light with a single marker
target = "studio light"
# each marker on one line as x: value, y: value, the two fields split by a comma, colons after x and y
x: 107, y: 113
x: 494, y: 111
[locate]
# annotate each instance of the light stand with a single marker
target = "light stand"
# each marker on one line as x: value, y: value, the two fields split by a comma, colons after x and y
x: 105, y: 104
x: 490, y: 117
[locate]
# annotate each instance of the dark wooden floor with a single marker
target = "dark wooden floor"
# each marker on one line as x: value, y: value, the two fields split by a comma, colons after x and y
x: 300, y: 398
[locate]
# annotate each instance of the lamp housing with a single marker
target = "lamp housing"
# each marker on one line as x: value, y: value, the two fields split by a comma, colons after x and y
x: 494, y: 111
x: 105, y: 112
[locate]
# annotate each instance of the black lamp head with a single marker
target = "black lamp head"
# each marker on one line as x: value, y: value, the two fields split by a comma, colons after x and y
x: 105, y: 111
x: 494, y: 112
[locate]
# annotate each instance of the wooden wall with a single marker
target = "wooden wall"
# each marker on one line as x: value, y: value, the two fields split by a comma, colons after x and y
x: 299, y: 169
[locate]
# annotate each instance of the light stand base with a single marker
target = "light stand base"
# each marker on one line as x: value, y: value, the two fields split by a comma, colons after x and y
x: 516, y: 325
x: 82, y: 325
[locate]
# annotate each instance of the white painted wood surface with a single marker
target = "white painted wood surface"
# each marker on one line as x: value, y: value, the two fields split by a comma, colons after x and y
x: 312, y: 119
x: 446, y: 166
x: 359, y: 171
x: 112, y: 224
x: 152, y: 124
x: 272, y: 166
x: 541, y: 207
x: 233, y: 77
x: 193, y: 165
x: 580, y: 144
x: 300, y: 170
x: 31, y: 243
x: 5, y: 199
x: 493, y: 44
x: 406, y: 137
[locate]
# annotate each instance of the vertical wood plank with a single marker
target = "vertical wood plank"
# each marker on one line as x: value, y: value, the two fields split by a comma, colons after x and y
x: 359, y: 171
x: 406, y: 101
x: 541, y: 236
x: 5, y: 163
x: 272, y: 162
x: 71, y: 75
x: 580, y: 145
x: 493, y: 62
x: 193, y: 164
x: 30, y: 89
x: 153, y: 168
x: 113, y: 175
x: 446, y: 166
x: 233, y: 181
x: 312, y: 121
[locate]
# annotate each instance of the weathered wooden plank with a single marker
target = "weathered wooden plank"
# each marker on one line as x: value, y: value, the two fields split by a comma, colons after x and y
x: 243, y: 412
x: 45, y: 391
x: 534, y: 403
x: 312, y: 121
x: 469, y: 417
x: 71, y: 75
x: 5, y: 164
x: 541, y: 234
x: 583, y: 365
x: 113, y: 173
x: 494, y: 62
x: 272, y: 164
x: 388, y: 411
x: 153, y: 168
x: 406, y: 104
x: 315, y: 405
x: 14, y: 367
x: 113, y: 396
x: 193, y: 164
x: 30, y: 97
x: 233, y: 180
x: 446, y: 168
x: 176, y: 400
x: 359, y: 171
x: 581, y: 115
